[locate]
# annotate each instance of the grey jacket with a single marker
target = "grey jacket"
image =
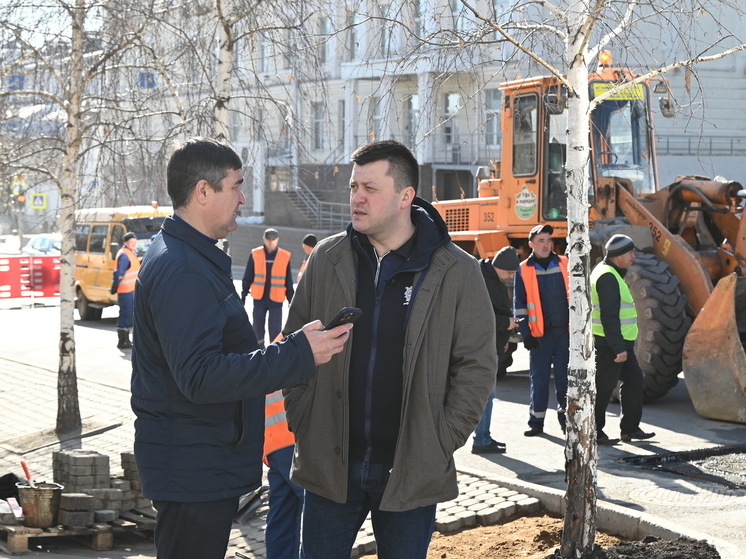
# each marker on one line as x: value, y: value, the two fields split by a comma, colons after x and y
x: 449, y: 370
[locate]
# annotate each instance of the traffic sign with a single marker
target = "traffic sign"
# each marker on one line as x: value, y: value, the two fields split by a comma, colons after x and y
x: 38, y: 201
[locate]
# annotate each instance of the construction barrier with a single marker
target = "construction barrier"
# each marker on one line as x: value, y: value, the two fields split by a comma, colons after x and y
x: 26, y: 280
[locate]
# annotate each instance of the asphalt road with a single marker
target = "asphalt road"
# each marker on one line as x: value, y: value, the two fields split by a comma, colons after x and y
x: 30, y: 336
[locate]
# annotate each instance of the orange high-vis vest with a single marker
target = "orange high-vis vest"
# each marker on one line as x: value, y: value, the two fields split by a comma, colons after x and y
x: 127, y: 283
x: 277, y: 290
x: 276, y: 433
x: 533, y: 298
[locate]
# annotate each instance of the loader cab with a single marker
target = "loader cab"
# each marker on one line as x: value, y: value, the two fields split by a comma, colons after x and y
x: 621, y: 136
x: 536, y: 121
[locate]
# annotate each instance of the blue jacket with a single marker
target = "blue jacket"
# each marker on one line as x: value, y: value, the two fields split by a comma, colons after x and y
x: 198, y: 378
x: 553, y: 295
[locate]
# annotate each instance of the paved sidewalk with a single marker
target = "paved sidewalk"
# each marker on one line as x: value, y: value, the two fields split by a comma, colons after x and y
x: 531, y: 466
x: 28, y: 398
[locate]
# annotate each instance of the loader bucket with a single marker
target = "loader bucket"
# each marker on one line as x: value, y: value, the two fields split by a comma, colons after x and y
x: 714, y: 358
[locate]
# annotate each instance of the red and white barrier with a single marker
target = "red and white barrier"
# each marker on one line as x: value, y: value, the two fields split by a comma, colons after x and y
x: 26, y: 280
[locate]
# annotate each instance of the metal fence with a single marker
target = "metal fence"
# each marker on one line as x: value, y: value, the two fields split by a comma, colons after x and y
x: 701, y: 145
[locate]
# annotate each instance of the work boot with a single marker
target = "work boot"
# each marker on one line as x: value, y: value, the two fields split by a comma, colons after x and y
x: 124, y: 338
x: 639, y: 435
x: 533, y: 431
x: 604, y: 439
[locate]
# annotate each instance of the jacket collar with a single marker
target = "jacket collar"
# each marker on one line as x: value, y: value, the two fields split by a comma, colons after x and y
x: 620, y: 271
x: 432, y: 233
x: 177, y: 227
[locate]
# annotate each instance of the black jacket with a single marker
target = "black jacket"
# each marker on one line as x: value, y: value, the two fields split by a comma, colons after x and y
x: 198, y: 381
x: 610, y: 301
x: 502, y: 304
x: 377, y: 358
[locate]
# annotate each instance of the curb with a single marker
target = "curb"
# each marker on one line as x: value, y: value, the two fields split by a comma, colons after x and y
x: 613, y: 518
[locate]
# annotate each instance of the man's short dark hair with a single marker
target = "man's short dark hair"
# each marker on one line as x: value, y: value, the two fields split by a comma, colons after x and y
x: 194, y: 160
x: 403, y: 165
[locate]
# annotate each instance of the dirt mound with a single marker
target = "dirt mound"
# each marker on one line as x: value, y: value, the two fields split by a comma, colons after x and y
x: 533, y: 537
x: 655, y: 548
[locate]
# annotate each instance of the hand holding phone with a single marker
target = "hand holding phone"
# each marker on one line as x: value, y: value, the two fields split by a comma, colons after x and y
x: 344, y: 316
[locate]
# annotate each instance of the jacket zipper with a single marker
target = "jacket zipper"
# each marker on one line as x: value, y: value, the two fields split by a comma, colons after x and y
x: 368, y: 424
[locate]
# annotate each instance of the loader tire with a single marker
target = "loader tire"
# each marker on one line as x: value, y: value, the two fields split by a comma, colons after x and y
x: 662, y: 320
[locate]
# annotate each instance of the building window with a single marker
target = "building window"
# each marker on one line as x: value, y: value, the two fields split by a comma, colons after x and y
x: 341, y: 120
x: 258, y: 123
x: 389, y: 36
x: 492, y: 125
x: 376, y: 109
x: 265, y: 54
x: 351, y: 36
x: 452, y: 106
x: 235, y: 118
x: 460, y: 15
x: 16, y: 82
x: 412, y: 109
x: 323, y: 39
x: 318, y: 126
x: 289, y: 49
x: 147, y: 80
x: 420, y: 11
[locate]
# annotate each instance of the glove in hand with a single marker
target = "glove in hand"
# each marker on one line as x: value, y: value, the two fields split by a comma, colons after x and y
x: 530, y: 343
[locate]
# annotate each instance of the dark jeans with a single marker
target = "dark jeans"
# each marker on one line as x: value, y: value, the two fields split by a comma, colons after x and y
x: 193, y: 530
x: 126, y: 306
x: 608, y: 373
x: 261, y: 307
x: 554, y: 349
x: 282, y: 536
x: 330, y: 529
x: 482, y: 435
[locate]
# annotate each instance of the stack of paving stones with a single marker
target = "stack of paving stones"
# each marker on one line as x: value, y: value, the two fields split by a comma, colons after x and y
x: 91, y: 494
x: 129, y: 469
x: 80, y: 470
x: 77, y: 510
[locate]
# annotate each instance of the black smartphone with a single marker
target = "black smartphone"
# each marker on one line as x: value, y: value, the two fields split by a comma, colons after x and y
x: 347, y: 314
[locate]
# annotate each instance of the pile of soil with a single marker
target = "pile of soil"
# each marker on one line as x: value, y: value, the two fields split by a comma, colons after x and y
x: 539, y: 537
x: 654, y: 548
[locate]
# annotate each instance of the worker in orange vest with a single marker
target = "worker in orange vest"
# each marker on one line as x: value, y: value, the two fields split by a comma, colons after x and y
x: 282, y: 535
x: 268, y: 279
x: 541, y: 297
x: 123, y: 284
x: 309, y: 241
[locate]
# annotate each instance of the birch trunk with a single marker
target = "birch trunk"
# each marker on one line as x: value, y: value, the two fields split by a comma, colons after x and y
x: 225, y: 70
x: 68, y: 409
x: 579, y: 532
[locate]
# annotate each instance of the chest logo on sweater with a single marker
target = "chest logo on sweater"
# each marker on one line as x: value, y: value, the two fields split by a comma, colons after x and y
x: 407, y: 295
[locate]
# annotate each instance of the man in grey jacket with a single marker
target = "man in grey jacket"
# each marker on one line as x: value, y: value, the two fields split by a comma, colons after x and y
x: 377, y: 428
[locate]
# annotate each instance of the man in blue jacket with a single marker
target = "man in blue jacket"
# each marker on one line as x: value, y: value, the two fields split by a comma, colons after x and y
x: 541, y: 297
x: 198, y: 376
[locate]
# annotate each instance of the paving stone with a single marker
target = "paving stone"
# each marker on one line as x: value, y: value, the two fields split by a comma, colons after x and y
x: 75, y: 518
x: 76, y: 502
x: 528, y: 505
x: 447, y: 524
x: 104, y: 515
x: 467, y: 518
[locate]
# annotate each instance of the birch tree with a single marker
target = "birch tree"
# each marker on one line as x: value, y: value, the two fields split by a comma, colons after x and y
x: 63, y: 51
